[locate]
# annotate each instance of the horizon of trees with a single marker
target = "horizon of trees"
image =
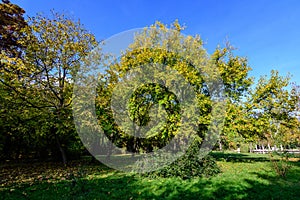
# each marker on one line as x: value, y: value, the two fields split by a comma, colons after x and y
x: 40, y: 57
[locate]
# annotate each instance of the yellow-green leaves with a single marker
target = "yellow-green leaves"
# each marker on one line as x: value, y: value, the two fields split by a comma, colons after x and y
x: 158, y: 49
x: 234, y: 72
x: 41, y: 76
x: 273, y: 108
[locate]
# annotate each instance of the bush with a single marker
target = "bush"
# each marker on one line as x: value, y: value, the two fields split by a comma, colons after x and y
x: 281, y: 166
x: 244, y: 148
x: 188, y: 166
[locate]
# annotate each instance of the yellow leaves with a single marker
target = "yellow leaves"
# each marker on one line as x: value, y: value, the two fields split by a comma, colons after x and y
x: 160, y: 25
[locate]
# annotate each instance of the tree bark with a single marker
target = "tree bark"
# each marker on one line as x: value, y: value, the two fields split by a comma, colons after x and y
x: 220, y: 145
x: 109, y: 150
x: 62, y: 151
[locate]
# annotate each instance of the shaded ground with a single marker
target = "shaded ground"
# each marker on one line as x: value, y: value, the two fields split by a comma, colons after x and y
x: 244, y: 176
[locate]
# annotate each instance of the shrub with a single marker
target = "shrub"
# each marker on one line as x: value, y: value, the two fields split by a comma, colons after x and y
x: 188, y: 166
x: 281, y: 166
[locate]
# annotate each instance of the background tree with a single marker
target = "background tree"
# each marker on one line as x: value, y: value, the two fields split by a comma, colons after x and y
x: 234, y: 71
x: 295, y: 139
x: 13, y: 117
x: 51, y: 60
x: 272, y: 110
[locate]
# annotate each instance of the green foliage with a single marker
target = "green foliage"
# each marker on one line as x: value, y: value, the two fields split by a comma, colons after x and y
x: 40, y: 57
x: 281, y: 166
x: 234, y: 71
x: 15, y: 118
x: 271, y: 110
x: 145, y: 98
x: 155, y: 46
x: 41, y: 80
x: 190, y: 165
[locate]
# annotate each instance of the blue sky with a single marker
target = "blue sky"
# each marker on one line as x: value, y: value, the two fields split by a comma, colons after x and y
x: 267, y: 32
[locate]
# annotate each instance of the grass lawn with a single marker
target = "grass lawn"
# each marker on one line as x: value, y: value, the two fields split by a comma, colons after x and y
x: 244, y: 176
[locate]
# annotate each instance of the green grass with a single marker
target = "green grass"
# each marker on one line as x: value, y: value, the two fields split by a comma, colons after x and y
x: 244, y: 176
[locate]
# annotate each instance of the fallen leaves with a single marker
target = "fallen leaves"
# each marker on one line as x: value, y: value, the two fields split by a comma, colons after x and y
x: 38, y: 172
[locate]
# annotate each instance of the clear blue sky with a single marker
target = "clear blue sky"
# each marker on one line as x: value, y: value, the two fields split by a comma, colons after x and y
x: 267, y: 32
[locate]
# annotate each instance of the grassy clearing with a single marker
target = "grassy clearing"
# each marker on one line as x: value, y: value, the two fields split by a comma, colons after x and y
x: 244, y: 176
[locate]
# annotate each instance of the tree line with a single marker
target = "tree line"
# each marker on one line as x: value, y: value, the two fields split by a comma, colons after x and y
x: 40, y: 57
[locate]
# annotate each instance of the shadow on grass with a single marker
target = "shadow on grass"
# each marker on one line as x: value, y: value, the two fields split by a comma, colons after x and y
x: 109, y: 184
x: 120, y: 186
x: 239, y: 157
x: 277, y: 188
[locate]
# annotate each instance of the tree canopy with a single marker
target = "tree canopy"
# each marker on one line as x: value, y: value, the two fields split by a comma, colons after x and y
x: 173, y: 79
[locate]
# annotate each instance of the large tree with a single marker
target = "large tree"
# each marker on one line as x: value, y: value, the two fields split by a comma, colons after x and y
x: 156, y: 46
x: 54, y: 53
x: 163, y: 68
x: 12, y: 115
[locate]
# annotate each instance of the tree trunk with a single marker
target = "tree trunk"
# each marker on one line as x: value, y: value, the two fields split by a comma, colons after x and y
x: 220, y: 145
x: 109, y: 150
x: 62, y: 151
x: 269, y: 147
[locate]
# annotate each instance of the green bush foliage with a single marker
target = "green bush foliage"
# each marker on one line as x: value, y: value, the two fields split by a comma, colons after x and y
x: 189, y: 166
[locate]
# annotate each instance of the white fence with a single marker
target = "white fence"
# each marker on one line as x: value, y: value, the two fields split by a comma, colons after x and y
x: 263, y: 151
